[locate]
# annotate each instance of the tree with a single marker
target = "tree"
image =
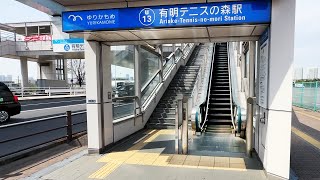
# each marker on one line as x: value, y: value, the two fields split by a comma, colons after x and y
x: 77, y: 69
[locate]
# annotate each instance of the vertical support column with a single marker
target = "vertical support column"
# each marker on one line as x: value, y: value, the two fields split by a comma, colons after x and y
x: 185, y: 119
x: 242, y: 67
x: 278, y: 138
x: 252, y: 63
x: 65, y: 70
x: 99, y: 99
x: 24, y: 72
x: 106, y: 93
x: 250, y: 100
x: 39, y: 71
x: 137, y: 78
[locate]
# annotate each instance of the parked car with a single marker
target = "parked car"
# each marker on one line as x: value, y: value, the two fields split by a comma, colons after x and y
x: 9, y: 104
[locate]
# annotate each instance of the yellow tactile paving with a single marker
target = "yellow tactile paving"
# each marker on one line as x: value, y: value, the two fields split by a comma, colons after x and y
x: 221, y: 165
x: 236, y: 160
x: 162, y: 160
x: 306, y: 137
x: 222, y: 160
x: 133, y: 156
x: 104, y: 171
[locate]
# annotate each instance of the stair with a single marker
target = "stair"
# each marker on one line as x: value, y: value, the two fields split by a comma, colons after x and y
x: 219, y: 111
x: 163, y: 117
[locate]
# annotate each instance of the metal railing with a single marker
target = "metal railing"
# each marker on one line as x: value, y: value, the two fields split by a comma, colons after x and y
x: 47, y: 91
x: 167, y: 68
x: 238, y: 111
x: 64, y: 130
x: 231, y: 88
x: 307, y: 95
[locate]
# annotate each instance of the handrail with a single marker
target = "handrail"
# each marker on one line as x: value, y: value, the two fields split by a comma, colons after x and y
x: 209, y: 90
x: 125, y: 97
x: 230, y: 84
x: 155, y: 90
x: 150, y: 80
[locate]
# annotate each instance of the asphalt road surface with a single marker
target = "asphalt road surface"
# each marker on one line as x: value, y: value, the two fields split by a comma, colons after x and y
x: 37, y: 109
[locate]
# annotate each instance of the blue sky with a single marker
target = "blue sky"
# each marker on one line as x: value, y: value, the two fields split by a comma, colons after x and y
x: 306, y: 45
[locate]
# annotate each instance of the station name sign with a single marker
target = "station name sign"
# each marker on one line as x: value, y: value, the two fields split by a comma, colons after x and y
x: 205, y: 14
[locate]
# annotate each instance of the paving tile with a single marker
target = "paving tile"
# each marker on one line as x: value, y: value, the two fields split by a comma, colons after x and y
x: 225, y: 160
x: 191, y: 164
x: 236, y: 160
x: 206, y: 164
x: 179, y: 157
x: 238, y: 165
x: 221, y: 164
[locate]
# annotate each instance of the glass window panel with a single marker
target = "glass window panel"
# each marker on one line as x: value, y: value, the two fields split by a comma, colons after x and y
x: 148, y: 90
x: 149, y: 65
x: 122, y: 71
x: 123, y: 107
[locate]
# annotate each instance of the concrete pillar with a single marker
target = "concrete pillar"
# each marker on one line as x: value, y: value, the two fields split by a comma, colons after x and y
x: 278, y: 132
x: 137, y: 78
x: 252, y: 59
x: 24, y: 72
x: 99, y: 96
x: 65, y: 70
x: 39, y: 71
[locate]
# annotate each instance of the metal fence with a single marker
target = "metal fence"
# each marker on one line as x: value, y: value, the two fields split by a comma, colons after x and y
x: 19, y: 138
x: 47, y: 91
x: 307, y: 95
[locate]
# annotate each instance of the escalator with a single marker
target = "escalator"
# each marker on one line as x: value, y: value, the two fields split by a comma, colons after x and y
x: 219, y: 118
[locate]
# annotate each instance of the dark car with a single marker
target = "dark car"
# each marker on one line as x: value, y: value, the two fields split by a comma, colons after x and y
x: 9, y: 104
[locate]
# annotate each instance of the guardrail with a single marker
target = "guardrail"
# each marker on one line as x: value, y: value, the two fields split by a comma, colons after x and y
x: 19, y: 144
x: 46, y: 91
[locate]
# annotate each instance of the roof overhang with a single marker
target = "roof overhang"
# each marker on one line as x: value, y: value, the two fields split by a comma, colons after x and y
x: 174, y: 35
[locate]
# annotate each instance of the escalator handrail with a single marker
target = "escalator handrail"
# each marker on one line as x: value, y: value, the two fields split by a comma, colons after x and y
x: 231, y: 88
x: 209, y: 89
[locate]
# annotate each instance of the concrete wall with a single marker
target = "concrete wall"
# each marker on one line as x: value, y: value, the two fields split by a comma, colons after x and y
x: 34, y: 46
x: 8, y: 48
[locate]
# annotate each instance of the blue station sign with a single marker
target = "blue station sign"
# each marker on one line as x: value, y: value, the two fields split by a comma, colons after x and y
x: 205, y: 14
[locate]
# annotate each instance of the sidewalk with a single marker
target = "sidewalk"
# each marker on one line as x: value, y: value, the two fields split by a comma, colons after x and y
x: 150, y: 155
x: 305, y: 144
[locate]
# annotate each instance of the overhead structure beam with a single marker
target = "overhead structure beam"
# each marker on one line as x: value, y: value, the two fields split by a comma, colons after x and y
x: 47, y: 6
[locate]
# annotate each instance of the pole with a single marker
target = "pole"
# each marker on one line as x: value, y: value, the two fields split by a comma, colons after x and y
x: 185, y: 126
x: 249, y: 128
x: 69, y: 126
x: 315, y: 96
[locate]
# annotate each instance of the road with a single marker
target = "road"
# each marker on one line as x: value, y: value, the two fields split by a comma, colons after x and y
x: 31, y: 109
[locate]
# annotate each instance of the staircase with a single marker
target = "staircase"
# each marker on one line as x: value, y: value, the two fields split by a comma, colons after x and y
x: 163, y: 116
x: 219, y: 112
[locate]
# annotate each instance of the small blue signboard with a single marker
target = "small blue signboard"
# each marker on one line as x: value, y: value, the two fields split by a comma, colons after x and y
x: 68, y: 45
x: 205, y: 14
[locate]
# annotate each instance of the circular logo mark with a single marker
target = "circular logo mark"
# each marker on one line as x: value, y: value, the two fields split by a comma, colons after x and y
x: 67, y: 47
x: 146, y: 16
